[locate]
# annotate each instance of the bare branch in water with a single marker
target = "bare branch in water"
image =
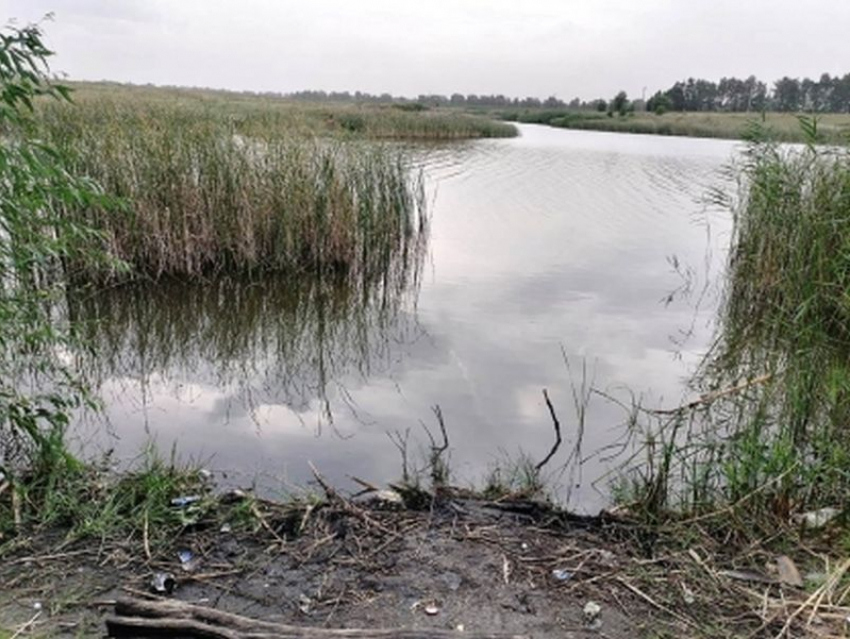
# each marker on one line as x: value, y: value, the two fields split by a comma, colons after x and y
x: 557, y: 426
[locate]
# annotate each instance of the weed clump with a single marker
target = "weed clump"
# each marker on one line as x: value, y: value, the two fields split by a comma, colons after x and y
x: 770, y: 432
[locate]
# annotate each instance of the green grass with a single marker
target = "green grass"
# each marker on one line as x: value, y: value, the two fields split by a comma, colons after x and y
x: 86, y: 501
x: 834, y: 127
x: 779, y: 443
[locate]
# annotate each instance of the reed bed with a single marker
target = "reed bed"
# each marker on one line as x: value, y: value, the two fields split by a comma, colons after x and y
x: 770, y: 431
x: 208, y: 189
x: 391, y: 123
x: 833, y: 127
x: 255, y: 114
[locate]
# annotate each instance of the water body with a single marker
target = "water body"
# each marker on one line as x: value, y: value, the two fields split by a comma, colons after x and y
x: 552, y: 248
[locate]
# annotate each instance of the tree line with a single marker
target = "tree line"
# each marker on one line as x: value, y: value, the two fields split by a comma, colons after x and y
x: 431, y: 100
x: 828, y: 94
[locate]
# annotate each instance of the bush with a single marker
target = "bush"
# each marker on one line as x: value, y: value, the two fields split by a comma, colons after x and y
x: 37, y: 390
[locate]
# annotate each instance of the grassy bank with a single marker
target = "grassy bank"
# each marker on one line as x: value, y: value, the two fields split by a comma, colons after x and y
x: 323, y: 556
x: 768, y: 440
x: 252, y: 115
x: 834, y: 128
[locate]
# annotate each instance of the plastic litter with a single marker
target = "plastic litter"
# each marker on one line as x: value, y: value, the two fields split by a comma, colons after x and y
x: 389, y: 498
x: 788, y: 573
x: 185, y: 556
x: 163, y: 583
x: 817, y: 518
x: 592, y: 612
x: 37, y: 605
x: 432, y: 609
x: 188, y: 560
x: 205, y: 474
x: 561, y: 574
x: 186, y: 500
x: 605, y: 557
x: 225, y: 529
x: 305, y: 604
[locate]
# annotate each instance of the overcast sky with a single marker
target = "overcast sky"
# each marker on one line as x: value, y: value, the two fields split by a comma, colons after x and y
x: 567, y: 48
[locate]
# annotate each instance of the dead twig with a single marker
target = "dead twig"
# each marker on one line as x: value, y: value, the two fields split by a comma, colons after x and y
x: 557, y: 426
x: 640, y: 593
x: 145, y: 540
x: 26, y: 626
x: 330, y: 493
x: 707, y: 398
x: 136, y: 618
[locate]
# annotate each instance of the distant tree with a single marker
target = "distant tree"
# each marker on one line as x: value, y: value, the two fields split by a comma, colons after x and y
x: 786, y: 94
x: 659, y: 103
x: 705, y: 95
x: 601, y: 105
x: 676, y: 95
x: 840, y: 97
x: 756, y: 94
x: 823, y: 93
x: 620, y: 103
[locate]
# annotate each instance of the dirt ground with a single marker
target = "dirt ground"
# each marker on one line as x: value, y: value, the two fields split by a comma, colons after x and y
x: 459, y: 564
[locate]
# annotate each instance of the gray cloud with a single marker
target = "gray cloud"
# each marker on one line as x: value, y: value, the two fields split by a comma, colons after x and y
x: 540, y: 47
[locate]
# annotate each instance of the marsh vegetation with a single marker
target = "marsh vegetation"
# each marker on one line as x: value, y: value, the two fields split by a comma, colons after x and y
x: 234, y: 188
x: 768, y: 438
x: 144, y: 186
x: 833, y: 128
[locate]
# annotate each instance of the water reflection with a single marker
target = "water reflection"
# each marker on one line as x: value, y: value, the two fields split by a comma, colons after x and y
x: 265, y: 340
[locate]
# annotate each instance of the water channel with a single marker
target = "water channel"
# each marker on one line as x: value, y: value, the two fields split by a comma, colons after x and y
x: 553, y: 259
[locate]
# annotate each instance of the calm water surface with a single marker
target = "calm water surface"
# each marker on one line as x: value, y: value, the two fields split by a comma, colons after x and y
x: 553, y: 245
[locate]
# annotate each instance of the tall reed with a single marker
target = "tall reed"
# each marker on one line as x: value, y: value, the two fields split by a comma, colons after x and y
x: 773, y: 431
x: 206, y: 192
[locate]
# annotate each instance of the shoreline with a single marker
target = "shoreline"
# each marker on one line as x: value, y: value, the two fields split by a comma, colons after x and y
x: 407, y: 558
x: 834, y: 128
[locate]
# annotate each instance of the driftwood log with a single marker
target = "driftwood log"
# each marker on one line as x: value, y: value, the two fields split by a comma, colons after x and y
x: 168, y: 618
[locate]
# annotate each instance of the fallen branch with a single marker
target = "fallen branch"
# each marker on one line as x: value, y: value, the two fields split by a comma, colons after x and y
x: 640, y: 593
x: 20, y: 631
x: 707, y: 398
x: 162, y: 618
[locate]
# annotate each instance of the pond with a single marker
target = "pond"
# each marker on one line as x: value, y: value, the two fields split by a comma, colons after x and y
x: 553, y: 261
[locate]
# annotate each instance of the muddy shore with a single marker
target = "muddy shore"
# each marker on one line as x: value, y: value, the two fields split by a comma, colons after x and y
x: 456, y: 563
